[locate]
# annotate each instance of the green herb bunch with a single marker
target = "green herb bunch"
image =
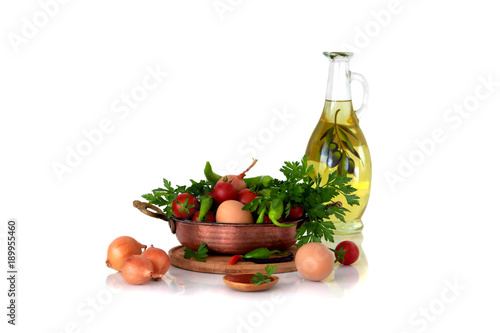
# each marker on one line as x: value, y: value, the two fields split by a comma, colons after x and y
x: 304, y: 188
x: 301, y: 187
x: 164, y: 197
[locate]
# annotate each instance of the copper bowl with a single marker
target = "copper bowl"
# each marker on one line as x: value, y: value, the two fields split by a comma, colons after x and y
x: 226, y: 238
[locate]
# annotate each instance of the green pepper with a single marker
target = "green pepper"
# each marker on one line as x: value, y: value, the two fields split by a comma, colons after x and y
x: 275, y: 211
x: 206, y: 202
x: 260, y: 219
x: 264, y: 181
x: 266, y: 193
x: 211, y: 176
x: 261, y: 253
x: 267, y: 180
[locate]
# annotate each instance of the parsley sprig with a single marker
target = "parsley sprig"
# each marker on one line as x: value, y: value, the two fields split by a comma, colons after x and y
x: 199, y: 255
x: 164, y: 197
x: 259, y: 278
x: 314, y: 194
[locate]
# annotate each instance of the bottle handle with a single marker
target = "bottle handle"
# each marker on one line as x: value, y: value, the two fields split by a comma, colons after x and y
x: 366, y: 90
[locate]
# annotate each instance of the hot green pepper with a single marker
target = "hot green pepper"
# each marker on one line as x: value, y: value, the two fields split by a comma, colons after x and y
x: 264, y: 181
x: 276, y: 210
x: 206, y: 202
x: 267, y: 180
x: 260, y: 219
x: 266, y: 192
x: 211, y: 176
x: 261, y: 253
x: 284, y: 258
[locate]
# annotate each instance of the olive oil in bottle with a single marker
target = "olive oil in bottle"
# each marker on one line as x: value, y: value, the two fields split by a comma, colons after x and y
x: 338, y: 144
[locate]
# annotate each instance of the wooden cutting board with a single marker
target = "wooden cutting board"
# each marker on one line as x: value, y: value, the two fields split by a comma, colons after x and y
x: 218, y: 263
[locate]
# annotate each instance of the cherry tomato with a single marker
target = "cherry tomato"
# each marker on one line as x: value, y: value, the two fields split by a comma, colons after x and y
x: 351, y: 252
x: 245, y: 196
x: 224, y: 191
x: 209, y: 217
x: 295, y: 213
x: 184, y: 206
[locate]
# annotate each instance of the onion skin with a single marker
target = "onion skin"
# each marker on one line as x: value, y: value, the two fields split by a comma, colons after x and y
x: 137, y: 269
x: 159, y: 259
x: 120, y: 249
x: 236, y: 180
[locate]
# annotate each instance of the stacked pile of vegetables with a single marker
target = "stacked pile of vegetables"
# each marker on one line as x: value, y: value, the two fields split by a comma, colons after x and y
x: 263, y: 199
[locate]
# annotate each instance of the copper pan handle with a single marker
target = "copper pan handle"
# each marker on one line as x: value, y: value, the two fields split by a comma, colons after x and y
x: 153, y: 211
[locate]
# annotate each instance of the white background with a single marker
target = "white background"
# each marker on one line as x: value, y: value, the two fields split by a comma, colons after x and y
x: 230, y: 71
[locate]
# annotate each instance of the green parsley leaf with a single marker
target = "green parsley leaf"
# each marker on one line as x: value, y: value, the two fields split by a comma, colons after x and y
x: 259, y: 278
x: 270, y: 270
x: 314, y: 193
x: 164, y: 197
x: 199, y: 255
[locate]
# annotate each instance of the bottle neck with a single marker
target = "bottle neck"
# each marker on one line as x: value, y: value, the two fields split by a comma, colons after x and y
x: 339, y: 80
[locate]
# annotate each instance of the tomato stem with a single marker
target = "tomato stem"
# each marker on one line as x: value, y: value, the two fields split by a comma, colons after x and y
x: 339, y: 254
x: 185, y: 206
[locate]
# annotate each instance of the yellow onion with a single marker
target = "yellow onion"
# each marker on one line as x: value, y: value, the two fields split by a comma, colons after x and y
x: 137, y: 269
x: 122, y: 248
x: 160, y: 260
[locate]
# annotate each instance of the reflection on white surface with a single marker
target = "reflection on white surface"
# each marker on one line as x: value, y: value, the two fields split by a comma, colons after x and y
x: 343, y: 279
x: 116, y: 281
x: 346, y: 278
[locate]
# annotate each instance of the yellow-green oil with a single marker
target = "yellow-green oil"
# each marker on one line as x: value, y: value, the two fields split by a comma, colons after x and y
x: 362, y: 170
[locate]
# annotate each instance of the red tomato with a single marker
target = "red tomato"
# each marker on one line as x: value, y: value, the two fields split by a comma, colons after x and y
x: 295, y: 213
x: 184, y: 206
x: 351, y: 252
x: 224, y: 191
x: 209, y: 217
x: 245, y: 196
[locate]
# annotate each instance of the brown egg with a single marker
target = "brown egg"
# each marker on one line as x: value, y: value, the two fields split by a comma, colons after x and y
x: 314, y: 261
x: 230, y: 211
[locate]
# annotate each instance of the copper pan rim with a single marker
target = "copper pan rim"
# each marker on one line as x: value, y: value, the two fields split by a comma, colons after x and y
x: 245, y: 225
